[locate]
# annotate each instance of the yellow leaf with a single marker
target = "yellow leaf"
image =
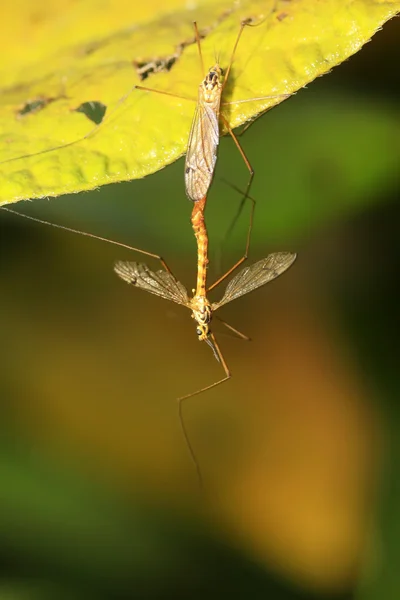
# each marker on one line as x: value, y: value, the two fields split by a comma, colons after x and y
x: 88, y: 55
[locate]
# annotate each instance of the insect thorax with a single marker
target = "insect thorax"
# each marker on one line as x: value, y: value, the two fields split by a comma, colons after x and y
x: 212, y: 86
x: 202, y: 314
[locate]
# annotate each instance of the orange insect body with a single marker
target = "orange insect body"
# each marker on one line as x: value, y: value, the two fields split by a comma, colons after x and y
x: 199, y: 304
x: 200, y: 232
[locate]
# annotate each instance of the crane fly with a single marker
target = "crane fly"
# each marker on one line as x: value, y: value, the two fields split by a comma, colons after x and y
x: 164, y: 284
x: 201, y: 154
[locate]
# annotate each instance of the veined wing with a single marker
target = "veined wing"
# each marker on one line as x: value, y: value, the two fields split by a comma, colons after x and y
x: 161, y: 283
x: 202, y: 150
x: 256, y: 275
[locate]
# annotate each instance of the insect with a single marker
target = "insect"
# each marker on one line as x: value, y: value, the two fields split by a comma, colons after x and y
x: 164, y: 284
x: 201, y: 154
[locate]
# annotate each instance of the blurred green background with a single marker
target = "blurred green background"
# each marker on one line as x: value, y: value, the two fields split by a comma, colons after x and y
x: 98, y: 497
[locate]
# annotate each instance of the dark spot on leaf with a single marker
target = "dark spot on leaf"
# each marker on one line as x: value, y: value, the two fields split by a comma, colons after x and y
x: 94, y: 111
x: 145, y: 69
x: 33, y: 106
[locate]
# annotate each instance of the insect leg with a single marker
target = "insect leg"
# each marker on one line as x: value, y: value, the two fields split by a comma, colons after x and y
x: 245, y: 255
x: 91, y: 235
x: 204, y: 389
x: 241, y: 335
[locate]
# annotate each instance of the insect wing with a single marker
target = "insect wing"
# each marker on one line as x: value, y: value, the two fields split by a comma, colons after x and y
x: 254, y: 276
x: 161, y: 283
x: 202, y: 151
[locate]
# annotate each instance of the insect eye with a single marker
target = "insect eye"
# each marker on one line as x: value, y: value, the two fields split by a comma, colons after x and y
x: 198, y: 331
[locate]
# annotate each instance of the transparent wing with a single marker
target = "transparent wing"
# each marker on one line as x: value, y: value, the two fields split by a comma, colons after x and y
x: 161, y: 283
x: 254, y: 276
x: 202, y: 151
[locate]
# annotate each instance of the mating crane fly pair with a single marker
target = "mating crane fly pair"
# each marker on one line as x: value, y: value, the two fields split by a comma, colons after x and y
x: 200, y: 164
x: 199, y: 170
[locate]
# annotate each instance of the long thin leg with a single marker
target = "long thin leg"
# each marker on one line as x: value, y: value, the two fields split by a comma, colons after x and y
x: 253, y: 120
x: 91, y: 235
x: 204, y: 389
x: 245, y: 255
x: 243, y: 24
x: 241, y: 335
x: 246, y: 161
x: 197, y: 35
x: 246, y: 194
x: 256, y: 99
x: 246, y: 22
x: 239, y: 147
x: 164, y: 93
